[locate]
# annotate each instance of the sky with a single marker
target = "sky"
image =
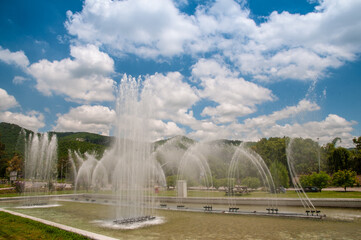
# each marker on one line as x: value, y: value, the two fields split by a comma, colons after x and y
x: 220, y: 69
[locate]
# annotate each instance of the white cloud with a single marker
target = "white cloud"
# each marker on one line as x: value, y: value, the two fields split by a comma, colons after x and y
x: 94, y: 119
x: 300, y: 46
x: 266, y: 121
x: 7, y: 101
x: 170, y: 98
x: 32, y: 120
x: 272, y: 125
x: 82, y: 79
x: 235, y: 96
x: 162, y: 130
x: 19, y: 79
x: 207, y: 131
x: 285, y: 46
x: 146, y: 28
x: 324, y: 131
x: 17, y: 58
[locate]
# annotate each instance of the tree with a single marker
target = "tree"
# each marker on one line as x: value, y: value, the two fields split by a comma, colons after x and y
x: 2, y: 159
x: 251, y: 182
x: 306, y: 180
x: 356, y: 156
x: 344, y: 178
x: 15, y: 164
x: 357, y: 142
x: 304, y: 155
x: 339, y: 159
x: 319, y: 180
x: 220, y: 182
x: 279, y: 174
x: 171, y: 181
x: 271, y: 150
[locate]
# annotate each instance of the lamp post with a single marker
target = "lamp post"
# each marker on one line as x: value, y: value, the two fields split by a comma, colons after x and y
x: 319, y: 164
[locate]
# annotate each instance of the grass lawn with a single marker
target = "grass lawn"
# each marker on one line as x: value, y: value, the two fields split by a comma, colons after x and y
x: 14, y: 194
x: 5, y: 185
x: 14, y: 227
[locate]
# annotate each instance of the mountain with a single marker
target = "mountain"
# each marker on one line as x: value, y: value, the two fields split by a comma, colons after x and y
x: 79, y: 141
x: 218, y: 152
x: 178, y: 141
x: 10, y: 137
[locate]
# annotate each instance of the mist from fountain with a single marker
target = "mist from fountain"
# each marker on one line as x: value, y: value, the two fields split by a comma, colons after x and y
x: 291, y: 150
x: 128, y: 168
x: 246, y: 162
x: 195, y: 170
x: 40, y: 165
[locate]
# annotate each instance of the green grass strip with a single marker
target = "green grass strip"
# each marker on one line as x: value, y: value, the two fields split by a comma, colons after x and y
x: 15, y: 227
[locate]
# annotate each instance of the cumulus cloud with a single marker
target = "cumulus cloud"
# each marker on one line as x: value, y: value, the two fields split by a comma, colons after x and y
x: 145, y: 28
x: 170, y: 98
x: 85, y: 78
x: 33, y: 120
x: 272, y: 125
x: 324, y: 131
x: 285, y: 46
x: 160, y: 129
x: 17, y: 58
x: 263, y: 121
x: 235, y: 97
x: 19, y: 79
x: 7, y: 101
x: 94, y: 119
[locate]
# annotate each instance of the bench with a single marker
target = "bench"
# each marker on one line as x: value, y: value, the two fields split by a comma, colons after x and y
x: 207, y: 208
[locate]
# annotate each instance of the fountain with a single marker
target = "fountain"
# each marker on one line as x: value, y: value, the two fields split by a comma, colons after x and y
x: 128, y: 168
x: 40, y: 164
x: 300, y: 158
x: 194, y: 171
x: 247, y: 163
x: 134, y: 202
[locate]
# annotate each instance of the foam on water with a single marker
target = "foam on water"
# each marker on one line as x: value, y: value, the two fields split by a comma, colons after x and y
x: 129, y: 226
x: 345, y: 217
x: 39, y: 206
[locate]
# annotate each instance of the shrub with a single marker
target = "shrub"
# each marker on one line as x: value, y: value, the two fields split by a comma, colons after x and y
x: 19, y: 186
x: 319, y: 180
x: 279, y: 174
x: 305, y: 180
x: 344, y: 178
x: 251, y: 182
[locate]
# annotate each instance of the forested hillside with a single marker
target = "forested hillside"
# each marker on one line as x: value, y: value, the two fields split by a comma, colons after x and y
x: 13, y: 142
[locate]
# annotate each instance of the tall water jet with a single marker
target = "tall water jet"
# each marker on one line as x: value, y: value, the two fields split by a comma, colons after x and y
x: 40, y: 165
x: 133, y: 175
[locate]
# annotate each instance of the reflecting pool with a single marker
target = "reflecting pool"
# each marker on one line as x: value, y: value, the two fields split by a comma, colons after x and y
x: 339, y: 224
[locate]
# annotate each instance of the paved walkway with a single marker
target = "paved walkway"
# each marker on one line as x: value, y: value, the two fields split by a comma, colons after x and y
x: 353, y: 189
x: 339, y: 189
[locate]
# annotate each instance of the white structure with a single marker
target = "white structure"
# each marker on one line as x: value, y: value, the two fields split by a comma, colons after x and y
x: 182, y: 188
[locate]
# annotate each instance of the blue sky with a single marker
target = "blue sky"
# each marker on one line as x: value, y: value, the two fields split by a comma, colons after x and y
x: 231, y: 69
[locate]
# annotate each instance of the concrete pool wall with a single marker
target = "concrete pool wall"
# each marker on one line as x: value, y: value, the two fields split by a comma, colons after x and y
x: 318, y: 202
